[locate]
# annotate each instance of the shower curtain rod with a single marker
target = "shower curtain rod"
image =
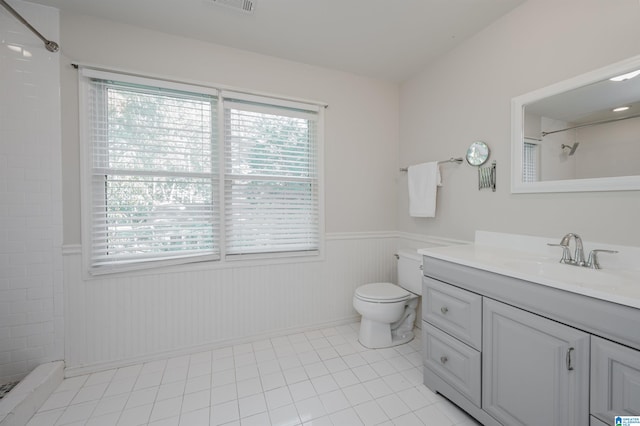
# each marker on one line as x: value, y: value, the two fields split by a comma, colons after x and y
x: 51, y: 46
x: 595, y: 123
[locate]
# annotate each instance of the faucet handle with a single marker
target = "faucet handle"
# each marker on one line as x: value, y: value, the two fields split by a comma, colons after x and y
x: 566, y: 253
x: 593, y: 258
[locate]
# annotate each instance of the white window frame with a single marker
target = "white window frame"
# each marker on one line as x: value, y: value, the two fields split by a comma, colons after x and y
x: 223, y: 260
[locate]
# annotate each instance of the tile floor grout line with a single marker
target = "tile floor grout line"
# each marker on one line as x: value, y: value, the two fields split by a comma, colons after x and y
x: 388, y: 382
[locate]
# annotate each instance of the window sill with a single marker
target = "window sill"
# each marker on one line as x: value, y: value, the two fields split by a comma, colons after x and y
x: 193, y: 265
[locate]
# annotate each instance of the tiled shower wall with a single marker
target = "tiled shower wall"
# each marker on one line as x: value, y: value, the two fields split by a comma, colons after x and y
x: 31, y: 311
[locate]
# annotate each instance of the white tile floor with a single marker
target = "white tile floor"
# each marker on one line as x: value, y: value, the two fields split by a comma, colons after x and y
x: 321, y: 377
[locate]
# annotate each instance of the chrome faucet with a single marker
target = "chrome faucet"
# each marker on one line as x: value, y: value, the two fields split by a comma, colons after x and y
x: 566, y: 254
x: 578, y: 258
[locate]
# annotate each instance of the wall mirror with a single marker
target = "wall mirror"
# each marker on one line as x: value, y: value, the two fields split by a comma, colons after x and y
x: 478, y: 153
x: 582, y: 134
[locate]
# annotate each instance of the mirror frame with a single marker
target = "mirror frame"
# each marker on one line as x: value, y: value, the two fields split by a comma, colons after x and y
x: 619, y: 183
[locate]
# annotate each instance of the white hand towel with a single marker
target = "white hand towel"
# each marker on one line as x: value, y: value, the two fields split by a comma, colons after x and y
x: 424, y: 180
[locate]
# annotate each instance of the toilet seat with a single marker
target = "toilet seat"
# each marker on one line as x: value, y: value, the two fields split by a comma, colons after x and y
x: 382, y: 293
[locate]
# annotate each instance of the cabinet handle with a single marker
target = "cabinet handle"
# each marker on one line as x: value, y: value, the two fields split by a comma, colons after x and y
x: 444, y: 309
x: 444, y: 359
x: 569, y: 363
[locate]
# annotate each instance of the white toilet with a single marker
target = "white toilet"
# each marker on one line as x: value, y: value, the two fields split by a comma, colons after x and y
x: 388, y: 310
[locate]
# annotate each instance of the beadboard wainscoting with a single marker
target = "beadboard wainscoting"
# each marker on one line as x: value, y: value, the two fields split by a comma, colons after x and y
x: 111, y: 321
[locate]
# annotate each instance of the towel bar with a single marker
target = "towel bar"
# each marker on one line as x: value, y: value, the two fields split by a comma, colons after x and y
x: 450, y: 160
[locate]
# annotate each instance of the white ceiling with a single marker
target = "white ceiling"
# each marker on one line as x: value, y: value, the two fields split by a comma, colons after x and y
x: 390, y: 40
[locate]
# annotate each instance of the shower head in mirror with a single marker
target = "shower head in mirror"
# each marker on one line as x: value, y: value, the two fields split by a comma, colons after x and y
x: 571, y: 147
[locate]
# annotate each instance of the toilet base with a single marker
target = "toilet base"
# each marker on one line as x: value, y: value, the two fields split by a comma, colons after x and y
x: 402, y: 338
x: 375, y: 335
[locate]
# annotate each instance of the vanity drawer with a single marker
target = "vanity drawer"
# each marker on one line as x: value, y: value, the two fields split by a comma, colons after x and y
x: 452, y: 360
x: 454, y: 310
x: 615, y: 380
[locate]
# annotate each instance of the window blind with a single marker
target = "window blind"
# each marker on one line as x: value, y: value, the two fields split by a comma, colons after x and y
x: 153, y: 173
x: 270, y: 178
x: 530, y: 162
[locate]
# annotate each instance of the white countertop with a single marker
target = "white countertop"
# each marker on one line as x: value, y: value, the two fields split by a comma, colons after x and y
x: 530, y: 259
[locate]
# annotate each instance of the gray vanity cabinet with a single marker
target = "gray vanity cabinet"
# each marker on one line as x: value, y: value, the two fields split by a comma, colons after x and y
x: 535, y: 371
x: 512, y: 352
x: 615, y: 380
x: 593, y: 421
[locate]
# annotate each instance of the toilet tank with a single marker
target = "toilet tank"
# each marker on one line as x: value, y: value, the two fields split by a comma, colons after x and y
x: 410, y: 271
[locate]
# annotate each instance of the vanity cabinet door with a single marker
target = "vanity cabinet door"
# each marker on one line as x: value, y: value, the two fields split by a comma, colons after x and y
x: 534, y: 371
x: 615, y: 380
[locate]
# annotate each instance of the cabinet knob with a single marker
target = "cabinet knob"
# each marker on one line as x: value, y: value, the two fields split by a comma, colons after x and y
x: 444, y: 359
x: 444, y: 309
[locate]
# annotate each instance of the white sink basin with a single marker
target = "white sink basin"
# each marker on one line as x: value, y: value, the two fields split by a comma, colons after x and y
x: 553, y: 270
x: 530, y: 259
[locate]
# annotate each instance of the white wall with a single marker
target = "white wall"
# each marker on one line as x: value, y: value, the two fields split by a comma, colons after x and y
x: 118, y: 319
x: 462, y: 97
x: 611, y: 149
x: 361, y: 132
x: 466, y: 96
x: 31, y: 323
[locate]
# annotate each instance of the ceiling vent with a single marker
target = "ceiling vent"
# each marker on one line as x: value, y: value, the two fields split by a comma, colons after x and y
x: 244, y: 6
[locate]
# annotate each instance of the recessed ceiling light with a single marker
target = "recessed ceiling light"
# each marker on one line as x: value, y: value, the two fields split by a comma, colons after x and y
x: 620, y: 109
x: 626, y: 76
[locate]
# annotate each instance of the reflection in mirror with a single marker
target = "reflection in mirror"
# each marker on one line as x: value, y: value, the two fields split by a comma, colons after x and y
x: 579, y: 135
x: 602, y: 118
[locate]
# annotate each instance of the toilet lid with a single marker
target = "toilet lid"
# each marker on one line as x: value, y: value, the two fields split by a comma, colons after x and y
x: 382, y: 292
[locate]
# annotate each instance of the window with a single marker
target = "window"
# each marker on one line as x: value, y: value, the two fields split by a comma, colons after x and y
x: 271, y: 182
x: 530, y: 163
x: 168, y: 181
